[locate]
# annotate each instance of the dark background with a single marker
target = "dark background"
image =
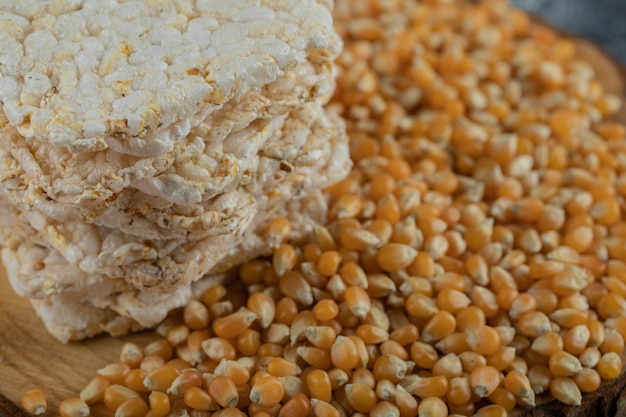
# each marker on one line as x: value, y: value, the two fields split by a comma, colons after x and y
x: 601, y: 21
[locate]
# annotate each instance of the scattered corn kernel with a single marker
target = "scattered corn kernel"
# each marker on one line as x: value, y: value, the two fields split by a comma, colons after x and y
x: 475, y: 251
x: 34, y: 402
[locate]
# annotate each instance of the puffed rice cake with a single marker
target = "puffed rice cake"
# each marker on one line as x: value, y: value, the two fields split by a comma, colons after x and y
x: 203, y: 164
x: 145, y: 144
x: 94, y: 304
x: 317, y: 144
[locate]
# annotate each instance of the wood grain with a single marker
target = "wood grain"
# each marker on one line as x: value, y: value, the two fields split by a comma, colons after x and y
x: 30, y: 357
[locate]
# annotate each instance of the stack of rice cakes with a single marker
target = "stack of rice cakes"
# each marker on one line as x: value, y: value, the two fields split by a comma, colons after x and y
x: 145, y: 144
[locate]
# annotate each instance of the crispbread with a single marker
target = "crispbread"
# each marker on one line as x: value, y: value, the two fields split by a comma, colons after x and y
x: 109, y: 305
x: 144, y: 145
x: 116, y: 314
x: 136, y: 76
x: 310, y: 152
x: 89, y: 186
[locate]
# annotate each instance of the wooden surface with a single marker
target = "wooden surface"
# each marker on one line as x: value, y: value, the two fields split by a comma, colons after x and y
x: 30, y: 358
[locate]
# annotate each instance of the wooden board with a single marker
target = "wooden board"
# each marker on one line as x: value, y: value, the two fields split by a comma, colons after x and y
x: 31, y: 358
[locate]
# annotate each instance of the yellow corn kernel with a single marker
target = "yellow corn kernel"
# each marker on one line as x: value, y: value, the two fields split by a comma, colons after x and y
x: 483, y: 339
x: 440, y: 325
x: 94, y: 390
x: 610, y: 366
x: 434, y: 386
x: 159, y: 403
x: 565, y: 390
x: 199, y: 399
x: 587, y: 380
x: 484, y: 380
x: 519, y: 385
x: 297, y: 406
x: 344, y: 353
x: 115, y: 373
x: 564, y: 364
x: 115, y: 395
x: 267, y: 391
x: 323, y: 409
x: 234, y: 324
x: 361, y: 397
x: 34, y: 402
x: 135, y: 407
x: 433, y: 407
x: 73, y: 407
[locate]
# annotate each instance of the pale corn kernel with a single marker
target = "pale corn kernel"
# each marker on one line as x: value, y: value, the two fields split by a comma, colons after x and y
x: 177, y: 334
x: 277, y: 230
x: 547, y: 344
x: 221, y: 308
x: 131, y: 355
x: 565, y: 390
x: 217, y: 348
x: 563, y: 364
x: 539, y: 377
x: 449, y: 366
x: 151, y: 362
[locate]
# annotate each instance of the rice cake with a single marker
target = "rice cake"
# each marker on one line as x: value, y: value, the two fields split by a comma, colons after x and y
x: 96, y: 304
x: 136, y: 76
x: 89, y: 186
x: 318, y: 146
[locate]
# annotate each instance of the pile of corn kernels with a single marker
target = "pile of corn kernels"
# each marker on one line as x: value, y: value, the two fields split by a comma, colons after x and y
x: 473, y: 261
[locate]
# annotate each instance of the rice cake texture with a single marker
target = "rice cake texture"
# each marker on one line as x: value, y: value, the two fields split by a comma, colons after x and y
x: 136, y: 76
x: 90, y: 186
x: 145, y: 144
x: 315, y: 154
x: 97, y: 304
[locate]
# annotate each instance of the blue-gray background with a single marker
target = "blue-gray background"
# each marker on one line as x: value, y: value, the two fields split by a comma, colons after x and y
x: 601, y: 21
